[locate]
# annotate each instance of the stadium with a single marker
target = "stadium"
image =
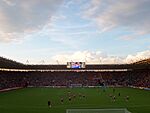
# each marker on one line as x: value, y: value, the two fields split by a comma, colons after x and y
x: 74, y: 56
x: 113, y: 88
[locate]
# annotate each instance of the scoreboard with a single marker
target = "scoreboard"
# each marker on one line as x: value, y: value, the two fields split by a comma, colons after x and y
x: 75, y: 65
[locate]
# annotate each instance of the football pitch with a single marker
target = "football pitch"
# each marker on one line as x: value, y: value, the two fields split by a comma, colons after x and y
x: 34, y: 100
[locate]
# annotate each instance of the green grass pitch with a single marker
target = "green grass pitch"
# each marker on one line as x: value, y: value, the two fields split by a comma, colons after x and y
x: 34, y: 100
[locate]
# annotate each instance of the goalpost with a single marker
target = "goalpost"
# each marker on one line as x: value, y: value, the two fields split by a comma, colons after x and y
x: 97, y: 111
x: 75, y: 85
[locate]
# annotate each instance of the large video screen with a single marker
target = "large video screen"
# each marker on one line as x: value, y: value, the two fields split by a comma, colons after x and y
x: 75, y: 65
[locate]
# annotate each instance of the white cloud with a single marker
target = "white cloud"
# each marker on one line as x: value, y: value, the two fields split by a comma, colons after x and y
x: 132, y: 15
x: 98, y: 57
x: 138, y: 56
x: 84, y: 56
x: 8, y: 2
x: 24, y: 16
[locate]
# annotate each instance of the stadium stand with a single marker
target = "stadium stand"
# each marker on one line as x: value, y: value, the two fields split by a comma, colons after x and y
x: 145, y: 61
x: 137, y: 75
x: 7, y: 63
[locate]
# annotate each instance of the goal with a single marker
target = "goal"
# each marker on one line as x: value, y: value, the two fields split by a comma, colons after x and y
x: 97, y: 111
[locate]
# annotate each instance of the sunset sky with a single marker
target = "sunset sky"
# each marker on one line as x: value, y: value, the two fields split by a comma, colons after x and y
x: 95, y: 31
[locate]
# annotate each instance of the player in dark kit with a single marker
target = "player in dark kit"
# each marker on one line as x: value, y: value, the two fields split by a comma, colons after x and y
x: 83, y: 96
x: 69, y: 98
x: 74, y: 96
x: 49, y: 104
x: 114, y: 98
x: 62, y: 100
x: 127, y: 98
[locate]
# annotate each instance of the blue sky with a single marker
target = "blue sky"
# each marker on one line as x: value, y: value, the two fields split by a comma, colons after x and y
x: 95, y: 31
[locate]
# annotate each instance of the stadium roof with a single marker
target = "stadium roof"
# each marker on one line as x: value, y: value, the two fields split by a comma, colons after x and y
x: 10, y: 64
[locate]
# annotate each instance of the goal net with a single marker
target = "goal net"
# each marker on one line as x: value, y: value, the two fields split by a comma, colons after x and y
x: 75, y: 85
x: 97, y: 111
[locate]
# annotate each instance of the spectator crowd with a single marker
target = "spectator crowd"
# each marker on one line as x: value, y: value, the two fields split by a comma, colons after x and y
x: 10, y: 79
